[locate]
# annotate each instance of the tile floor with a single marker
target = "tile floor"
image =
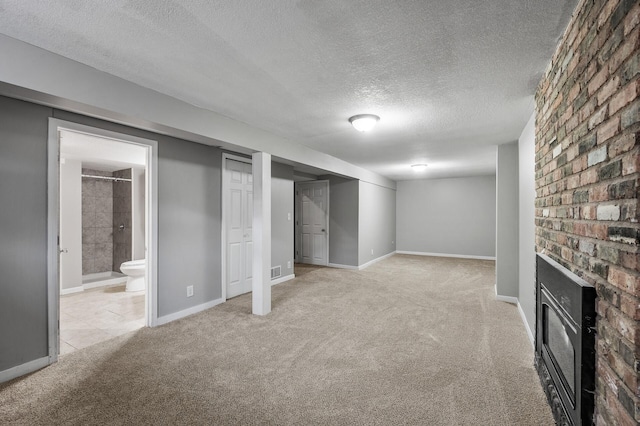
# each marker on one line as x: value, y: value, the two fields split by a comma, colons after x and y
x: 99, y: 314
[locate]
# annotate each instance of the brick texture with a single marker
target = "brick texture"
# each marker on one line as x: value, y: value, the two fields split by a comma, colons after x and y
x: 587, y: 184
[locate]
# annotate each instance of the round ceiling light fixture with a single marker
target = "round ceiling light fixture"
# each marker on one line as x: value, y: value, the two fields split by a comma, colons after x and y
x: 419, y: 167
x: 364, y: 122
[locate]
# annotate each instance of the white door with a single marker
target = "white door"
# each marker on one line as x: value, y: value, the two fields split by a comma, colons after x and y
x: 312, y: 222
x: 239, y: 219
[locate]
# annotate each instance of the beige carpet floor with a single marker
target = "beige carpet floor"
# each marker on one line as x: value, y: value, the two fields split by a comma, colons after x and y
x: 409, y: 340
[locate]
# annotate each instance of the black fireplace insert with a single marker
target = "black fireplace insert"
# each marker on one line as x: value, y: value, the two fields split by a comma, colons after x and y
x: 565, y: 341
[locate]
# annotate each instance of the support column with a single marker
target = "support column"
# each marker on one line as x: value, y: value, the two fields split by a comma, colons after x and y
x: 261, y: 297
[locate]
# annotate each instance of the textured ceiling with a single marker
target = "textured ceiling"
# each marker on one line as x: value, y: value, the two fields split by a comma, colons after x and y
x: 450, y: 79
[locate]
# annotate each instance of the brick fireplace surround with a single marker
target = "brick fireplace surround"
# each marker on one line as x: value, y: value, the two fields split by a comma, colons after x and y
x: 587, y: 170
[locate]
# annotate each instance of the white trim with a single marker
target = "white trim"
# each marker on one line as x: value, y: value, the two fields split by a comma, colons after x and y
x: 526, y: 325
x: 65, y: 291
x: 115, y: 281
x: 282, y: 279
x: 457, y: 256
x: 508, y: 299
x: 338, y: 265
x: 261, y: 279
x: 22, y: 369
x: 53, y: 254
x: 187, y: 312
x: 376, y: 260
x: 223, y: 223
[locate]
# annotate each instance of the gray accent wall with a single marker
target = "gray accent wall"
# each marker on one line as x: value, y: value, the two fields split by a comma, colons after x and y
x: 23, y: 232
x: 343, y: 220
x: 377, y: 222
x: 189, y: 221
x: 526, y: 213
x: 507, y: 220
x: 447, y: 216
x: 282, y: 197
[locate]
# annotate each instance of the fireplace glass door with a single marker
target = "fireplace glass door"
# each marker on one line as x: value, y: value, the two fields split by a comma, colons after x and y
x: 560, y: 348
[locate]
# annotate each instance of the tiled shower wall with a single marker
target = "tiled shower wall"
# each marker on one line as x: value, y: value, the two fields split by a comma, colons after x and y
x: 97, y: 223
x: 105, y: 206
x: 121, y: 219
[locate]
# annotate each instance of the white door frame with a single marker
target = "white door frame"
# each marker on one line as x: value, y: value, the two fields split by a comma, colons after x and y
x: 225, y: 200
x: 298, y: 228
x: 53, y: 223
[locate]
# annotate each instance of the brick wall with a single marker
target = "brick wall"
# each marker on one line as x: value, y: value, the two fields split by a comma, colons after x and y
x: 587, y: 170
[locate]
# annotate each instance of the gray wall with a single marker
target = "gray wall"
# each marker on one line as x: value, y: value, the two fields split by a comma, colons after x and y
x: 23, y: 232
x: 527, y: 196
x: 507, y: 220
x: 343, y: 220
x: 447, y: 216
x: 282, y: 197
x: 189, y: 215
x: 377, y: 222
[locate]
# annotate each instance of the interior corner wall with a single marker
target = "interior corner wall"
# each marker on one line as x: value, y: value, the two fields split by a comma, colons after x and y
x: 455, y: 216
x: 343, y: 221
x: 282, y: 230
x: 23, y: 232
x: 507, y: 201
x: 376, y: 222
x: 526, y: 221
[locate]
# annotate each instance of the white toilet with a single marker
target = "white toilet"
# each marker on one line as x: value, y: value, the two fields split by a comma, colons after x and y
x: 134, y: 270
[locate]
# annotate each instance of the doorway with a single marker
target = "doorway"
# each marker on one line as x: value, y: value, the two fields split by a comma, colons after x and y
x: 237, y: 228
x: 312, y: 222
x: 103, y: 212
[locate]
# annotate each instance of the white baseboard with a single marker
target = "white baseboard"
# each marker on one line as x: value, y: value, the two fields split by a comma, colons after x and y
x: 508, y: 299
x: 106, y: 283
x: 186, y: 312
x: 526, y: 325
x: 376, y: 260
x: 71, y: 290
x: 337, y: 265
x: 22, y: 369
x: 282, y: 279
x: 458, y: 256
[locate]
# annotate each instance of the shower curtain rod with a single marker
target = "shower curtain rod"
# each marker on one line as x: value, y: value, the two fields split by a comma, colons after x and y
x: 115, y: 179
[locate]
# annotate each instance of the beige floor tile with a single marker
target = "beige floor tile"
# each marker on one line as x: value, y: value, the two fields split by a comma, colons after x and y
x: 99, y: 314
x: 65, y: 348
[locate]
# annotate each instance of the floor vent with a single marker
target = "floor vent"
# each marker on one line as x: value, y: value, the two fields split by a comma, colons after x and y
x: 276, y: 272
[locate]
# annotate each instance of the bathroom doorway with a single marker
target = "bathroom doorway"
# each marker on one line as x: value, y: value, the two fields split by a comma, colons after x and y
x: 102, y: 268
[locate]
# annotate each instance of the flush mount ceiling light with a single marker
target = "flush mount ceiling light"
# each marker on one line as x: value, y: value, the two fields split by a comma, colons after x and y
x: 419, y: 167
x: 364, y: 122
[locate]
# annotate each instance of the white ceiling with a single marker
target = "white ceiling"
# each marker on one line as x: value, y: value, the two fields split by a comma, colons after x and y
x: 100, y: 153
x: 450, y: 79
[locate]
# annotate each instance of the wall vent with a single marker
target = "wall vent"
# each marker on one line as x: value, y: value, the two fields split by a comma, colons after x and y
x: 276, y: 272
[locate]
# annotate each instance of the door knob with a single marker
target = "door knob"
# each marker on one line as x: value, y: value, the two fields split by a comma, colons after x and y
x: 322, y: 230
x: 63, y: 250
